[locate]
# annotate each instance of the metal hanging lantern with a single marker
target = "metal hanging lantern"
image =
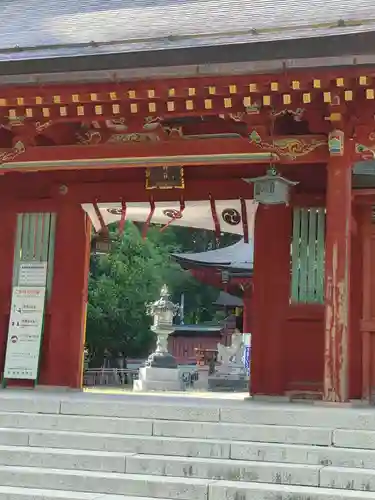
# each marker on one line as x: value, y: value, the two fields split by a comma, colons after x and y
x: 272, y: 188
x: 101, y: 244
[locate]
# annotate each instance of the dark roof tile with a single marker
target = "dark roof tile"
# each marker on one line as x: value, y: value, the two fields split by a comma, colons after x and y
x: 163, y: 24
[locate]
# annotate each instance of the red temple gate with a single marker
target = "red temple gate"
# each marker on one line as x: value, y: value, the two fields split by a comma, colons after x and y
x: 97, y: 136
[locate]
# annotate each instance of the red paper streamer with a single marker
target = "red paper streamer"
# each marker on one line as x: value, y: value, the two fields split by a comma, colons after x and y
x: 215, y: 218
x: 177, y: 216
x: 245, y: 224
x: 121, y: 225
x: 98, y: 213
x: 146, y: 225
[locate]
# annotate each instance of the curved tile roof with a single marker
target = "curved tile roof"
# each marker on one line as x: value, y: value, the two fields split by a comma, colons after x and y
x: 239, y: 256
x: 89, y: 27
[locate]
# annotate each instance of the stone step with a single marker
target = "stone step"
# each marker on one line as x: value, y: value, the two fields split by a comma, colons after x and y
x: 240, y: 412
x: 128, y: 444
x: 222, y: 491
x: 76, y: 423
x: 229, y: 412
x: 240, y: 432
x: 261, y: 472
x: 104, y: 482
x: 14, y: 437
x: 54, y: 458
x: 151, y: 445
x: 10, y: 493
x: 31, y: 483
x: 303, y: 454
x: 231, y: 490
x: 230, y: 470
x: 346, y: 478
x: 354, y: 439
x: 303, y: 415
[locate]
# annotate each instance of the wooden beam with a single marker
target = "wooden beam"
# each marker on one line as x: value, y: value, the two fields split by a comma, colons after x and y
x: 255, y: 149
x: 111, y: 192
x: 197, y: 189
x: 153, y: 97
x: 185, y: 87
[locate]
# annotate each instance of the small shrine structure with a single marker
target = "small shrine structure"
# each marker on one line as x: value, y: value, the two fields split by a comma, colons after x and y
x: 186, y: 338
x: 229, y: 269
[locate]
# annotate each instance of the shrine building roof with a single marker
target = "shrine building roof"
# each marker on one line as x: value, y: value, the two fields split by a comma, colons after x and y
x: 71, y: 35
x: 237, y: 257
x: 227, y: 300
x: 197, y: 330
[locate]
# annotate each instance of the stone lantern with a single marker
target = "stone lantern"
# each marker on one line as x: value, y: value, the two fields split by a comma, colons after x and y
x: 272, y: 188
x: 161, y: 372
x: 163, y: 311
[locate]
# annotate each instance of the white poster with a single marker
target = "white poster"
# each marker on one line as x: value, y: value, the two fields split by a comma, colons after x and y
x: 25, y: 333
x: 32, y: 274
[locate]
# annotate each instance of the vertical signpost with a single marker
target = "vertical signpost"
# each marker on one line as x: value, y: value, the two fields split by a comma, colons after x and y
x: 247, y: 352
x: 26, y: 323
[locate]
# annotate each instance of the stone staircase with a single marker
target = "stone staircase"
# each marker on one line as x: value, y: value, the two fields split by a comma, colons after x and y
x: 95, y: 447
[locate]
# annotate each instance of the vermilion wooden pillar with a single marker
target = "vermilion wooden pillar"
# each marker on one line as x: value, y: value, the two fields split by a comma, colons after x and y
x: 356, y: 301
x: 63, y: 356
x: 271, y: 280
x: 7, y: 238
x: 337, y: 275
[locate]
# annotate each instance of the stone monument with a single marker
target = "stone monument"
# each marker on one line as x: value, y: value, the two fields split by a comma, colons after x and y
x: 160, y: 372
x: 230, y: 373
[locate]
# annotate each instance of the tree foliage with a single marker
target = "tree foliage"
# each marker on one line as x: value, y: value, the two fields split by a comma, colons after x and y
x: 132, y: 275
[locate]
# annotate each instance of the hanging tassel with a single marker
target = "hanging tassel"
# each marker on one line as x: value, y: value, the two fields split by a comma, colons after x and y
x: 215, y: 219
x: 244, y: 221
x: 178, y: 215
x: 146, y: 225
x: 103, y: 227
x: 121, y: 225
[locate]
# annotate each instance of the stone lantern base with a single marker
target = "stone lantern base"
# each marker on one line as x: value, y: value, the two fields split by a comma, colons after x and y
x: 158, y: 379
x: 161, y: 360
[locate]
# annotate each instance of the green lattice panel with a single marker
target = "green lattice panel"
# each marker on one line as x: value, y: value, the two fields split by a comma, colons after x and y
x: 35, y: 241
x: 308, y: 255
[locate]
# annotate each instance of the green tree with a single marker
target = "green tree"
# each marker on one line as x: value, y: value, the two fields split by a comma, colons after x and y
x: 120, y: 285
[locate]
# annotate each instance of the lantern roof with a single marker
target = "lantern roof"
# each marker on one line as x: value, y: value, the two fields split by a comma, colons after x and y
x: 237, y: 257
x: 163, y: 303
x: 271, y: 174
x: 73, y: 33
